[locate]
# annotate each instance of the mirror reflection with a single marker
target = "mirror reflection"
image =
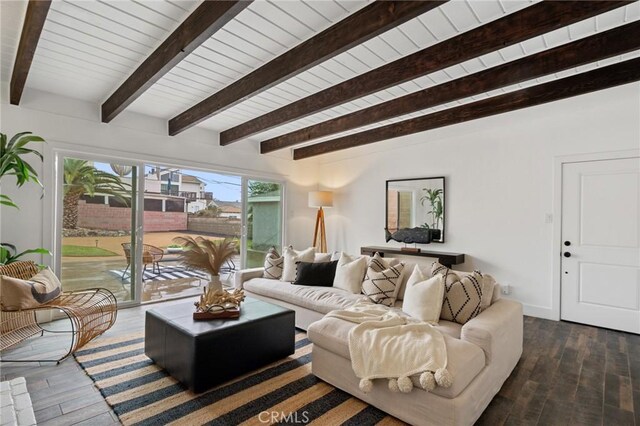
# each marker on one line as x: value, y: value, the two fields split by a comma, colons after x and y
x: 415, y: 210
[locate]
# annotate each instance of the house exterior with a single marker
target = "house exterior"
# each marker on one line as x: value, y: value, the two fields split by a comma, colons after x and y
x: 174, y: 183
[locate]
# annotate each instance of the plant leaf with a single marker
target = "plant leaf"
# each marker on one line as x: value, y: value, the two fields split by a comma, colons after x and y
x: 6, y: 201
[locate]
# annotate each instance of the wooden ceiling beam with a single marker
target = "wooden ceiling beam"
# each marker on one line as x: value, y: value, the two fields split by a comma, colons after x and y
x: 35, y: 17
x: 357, y: 28
x: 532, y: 21
x: 599, y: 79
x: 604, y: 45
x: 205, y: 21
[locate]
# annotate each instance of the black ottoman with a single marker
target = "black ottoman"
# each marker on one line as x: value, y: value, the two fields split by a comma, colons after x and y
x: 203, y: 354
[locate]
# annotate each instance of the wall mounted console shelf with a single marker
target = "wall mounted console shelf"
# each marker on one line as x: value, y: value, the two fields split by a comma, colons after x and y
x: 445, y: 258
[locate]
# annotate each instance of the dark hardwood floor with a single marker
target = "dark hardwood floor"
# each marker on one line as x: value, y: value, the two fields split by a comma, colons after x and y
x: 569, y: 374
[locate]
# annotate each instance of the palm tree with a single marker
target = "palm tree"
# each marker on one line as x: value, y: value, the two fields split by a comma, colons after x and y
x: 80, y: 179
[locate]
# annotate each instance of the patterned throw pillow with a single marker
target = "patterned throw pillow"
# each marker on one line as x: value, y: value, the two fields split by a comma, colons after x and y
x: 382, y: 281
x: 273, y: 264
x: 16, y: 294
x: 462, y: 294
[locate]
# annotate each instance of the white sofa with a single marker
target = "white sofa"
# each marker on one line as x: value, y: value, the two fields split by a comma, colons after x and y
x: 481, y: 353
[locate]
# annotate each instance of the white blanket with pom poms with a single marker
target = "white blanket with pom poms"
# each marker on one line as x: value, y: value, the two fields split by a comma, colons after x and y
x: 387, y: 345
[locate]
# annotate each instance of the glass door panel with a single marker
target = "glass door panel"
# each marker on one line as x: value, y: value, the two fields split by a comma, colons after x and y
x: 180, y: 202
x: 264, y: 220
x: 98, y: 239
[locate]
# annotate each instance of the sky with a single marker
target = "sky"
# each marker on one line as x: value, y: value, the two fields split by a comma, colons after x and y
x: 224, y: 187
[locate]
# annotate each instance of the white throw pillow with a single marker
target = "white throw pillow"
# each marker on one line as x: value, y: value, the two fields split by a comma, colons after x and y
x: 408, y: 268
x: 423, y: 296
x: 291, y: 258
x: 322, y: 258
x: 350, y: 273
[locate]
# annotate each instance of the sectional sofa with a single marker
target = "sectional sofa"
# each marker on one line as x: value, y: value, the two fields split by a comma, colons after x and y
x: 482, y: 353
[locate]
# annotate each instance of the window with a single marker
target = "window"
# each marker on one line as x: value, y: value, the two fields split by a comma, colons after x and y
x: 264, y: 220
x: 196, y: 204
x: 97, y: 241
x: 103, y: 249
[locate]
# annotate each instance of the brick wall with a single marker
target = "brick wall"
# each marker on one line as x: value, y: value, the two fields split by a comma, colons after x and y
x: 215, y: 226
x: 101, y: 216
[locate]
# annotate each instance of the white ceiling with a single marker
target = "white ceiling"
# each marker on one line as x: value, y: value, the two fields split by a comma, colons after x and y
x: 88, y: 48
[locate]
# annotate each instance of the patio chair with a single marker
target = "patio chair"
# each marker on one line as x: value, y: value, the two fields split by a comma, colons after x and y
x: 151, y: 255
x: 228, y: 267
x: 91, y: 313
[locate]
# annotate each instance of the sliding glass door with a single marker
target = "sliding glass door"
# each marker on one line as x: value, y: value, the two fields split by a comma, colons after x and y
x: 98, y: 236
x: 264, y: 220
x: 185, y: 203
x: 121, y: 225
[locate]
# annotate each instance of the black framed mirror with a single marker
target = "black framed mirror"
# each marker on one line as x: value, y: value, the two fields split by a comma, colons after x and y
x: 415, y: 210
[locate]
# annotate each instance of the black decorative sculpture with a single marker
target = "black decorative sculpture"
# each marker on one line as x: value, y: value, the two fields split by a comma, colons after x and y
x: 410, y: 235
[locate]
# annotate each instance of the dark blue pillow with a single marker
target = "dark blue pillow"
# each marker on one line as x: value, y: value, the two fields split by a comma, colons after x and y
x: 316, y: 274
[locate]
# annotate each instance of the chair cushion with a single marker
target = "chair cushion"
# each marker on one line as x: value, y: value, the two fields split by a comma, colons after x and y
x: 319, y: 299
x: 451, y: 328
x: 465, y: 360
x: 16, y: 294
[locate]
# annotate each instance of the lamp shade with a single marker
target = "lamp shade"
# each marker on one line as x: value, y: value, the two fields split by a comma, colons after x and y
x: 321, y: 199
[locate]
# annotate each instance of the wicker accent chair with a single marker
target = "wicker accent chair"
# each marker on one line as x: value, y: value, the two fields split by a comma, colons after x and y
x: 91, y: 312
x: 151, y: 255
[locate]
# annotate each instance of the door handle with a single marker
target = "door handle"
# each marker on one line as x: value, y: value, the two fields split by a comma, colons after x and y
x: 566, y: 254
x: 567, y: 243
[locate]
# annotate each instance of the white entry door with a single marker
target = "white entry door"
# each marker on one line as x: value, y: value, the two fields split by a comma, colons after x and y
x: 600, y: 243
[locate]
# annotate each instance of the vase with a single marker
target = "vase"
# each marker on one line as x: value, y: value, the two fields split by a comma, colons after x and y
x: 214, y: 283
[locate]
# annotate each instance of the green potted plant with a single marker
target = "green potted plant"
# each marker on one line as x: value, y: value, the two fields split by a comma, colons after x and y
x: 12, y: 163
x: 434, y: 198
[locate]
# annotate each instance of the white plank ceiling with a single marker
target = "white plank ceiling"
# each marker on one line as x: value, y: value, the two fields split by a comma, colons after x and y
x: 88, y: 48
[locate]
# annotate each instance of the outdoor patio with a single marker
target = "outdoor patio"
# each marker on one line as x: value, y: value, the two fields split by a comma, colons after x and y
x: 108, y: 269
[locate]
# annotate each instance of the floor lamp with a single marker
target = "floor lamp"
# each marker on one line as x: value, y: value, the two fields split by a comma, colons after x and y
x: 320, y: 199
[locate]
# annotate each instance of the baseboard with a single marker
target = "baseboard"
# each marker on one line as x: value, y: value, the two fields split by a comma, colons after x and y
x: 538, y: 311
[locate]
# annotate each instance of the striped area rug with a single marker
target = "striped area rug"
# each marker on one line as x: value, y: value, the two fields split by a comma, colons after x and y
x: 284, y: 392
x: 166, y: 273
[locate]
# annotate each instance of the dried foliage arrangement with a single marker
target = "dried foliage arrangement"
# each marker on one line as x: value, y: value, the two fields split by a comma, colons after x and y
x: 218, y: 304
x: 206, y: 255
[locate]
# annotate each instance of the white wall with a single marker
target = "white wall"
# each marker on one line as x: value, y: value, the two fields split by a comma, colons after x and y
x: 499, y: 173
x: 499, y: 183
x: 74, y: 125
